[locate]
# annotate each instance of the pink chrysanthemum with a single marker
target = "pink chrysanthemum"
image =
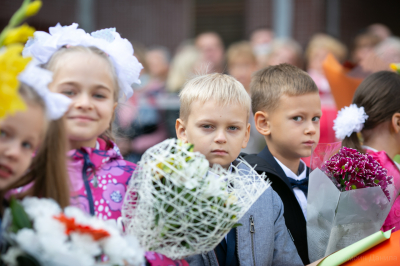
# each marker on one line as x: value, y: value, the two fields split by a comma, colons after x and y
x: 350, y: 169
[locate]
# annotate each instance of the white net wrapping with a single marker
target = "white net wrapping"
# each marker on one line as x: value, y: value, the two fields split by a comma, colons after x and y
x: 176, y: 205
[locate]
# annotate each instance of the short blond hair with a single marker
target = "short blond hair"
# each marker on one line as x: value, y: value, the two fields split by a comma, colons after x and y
x: 223, y: 89
x: 269, y: 84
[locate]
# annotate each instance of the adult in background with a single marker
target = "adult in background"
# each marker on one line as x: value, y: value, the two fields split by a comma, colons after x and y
x: 212, y: 48
x: 261, y: 40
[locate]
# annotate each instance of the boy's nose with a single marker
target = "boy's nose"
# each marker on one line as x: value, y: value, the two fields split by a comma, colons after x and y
x: 311, y: 129
x: 220, y: 137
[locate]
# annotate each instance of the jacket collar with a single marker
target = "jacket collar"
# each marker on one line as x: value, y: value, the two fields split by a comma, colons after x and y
x: 269, y: 158
x: 97, y: 156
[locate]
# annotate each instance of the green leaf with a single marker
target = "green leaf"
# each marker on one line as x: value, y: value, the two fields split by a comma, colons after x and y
x: 236, y: 225
x: 157, y: 219
x: 20, y: 217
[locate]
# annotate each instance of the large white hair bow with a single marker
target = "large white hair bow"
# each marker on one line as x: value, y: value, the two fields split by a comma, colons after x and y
x: 39, y: 79
x: 120, y: 50
x: 350, y: 119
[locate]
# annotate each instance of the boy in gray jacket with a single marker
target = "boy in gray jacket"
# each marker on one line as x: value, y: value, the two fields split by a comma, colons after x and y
x: 214, y: 117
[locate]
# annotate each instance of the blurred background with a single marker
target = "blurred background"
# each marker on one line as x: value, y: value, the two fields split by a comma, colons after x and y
x: 177, y: 39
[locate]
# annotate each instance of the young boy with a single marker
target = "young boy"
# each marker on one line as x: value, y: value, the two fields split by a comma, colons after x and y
x: 214, y: 117
x: 287, y: 109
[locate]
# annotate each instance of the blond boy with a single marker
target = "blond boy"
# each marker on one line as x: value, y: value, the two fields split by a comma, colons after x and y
x: 214, y: 117
x: 287, y: 110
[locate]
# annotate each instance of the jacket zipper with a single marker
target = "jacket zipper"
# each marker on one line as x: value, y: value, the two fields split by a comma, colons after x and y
x: 86, y: 165
x: 252, y: 231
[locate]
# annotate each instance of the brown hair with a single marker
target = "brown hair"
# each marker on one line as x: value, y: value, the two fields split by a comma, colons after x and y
x: 53, y: 65
x: 241, y: 49
x: 379, y: 94
x: 48, y: 170
x: 270, y: 83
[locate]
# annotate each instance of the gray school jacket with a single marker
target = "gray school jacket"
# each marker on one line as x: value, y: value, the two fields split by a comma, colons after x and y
x: 266, y: 242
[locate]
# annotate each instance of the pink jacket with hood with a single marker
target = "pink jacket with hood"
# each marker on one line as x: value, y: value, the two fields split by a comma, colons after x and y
x: 99, y: 178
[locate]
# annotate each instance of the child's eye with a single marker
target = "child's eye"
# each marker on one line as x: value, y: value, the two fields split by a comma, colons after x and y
x: 233, y: 128
x: 68, y: 93
x: 316, y: 118
x: 27, y: 145
x: 206, y: 126
x: 3, y: 134
x: 297, y: 118
x: 99, y: 96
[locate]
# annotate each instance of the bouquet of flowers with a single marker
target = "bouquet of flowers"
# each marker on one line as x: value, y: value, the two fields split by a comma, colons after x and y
x: 349, y: 198
x: 178, y: 206
x: 38, y: 233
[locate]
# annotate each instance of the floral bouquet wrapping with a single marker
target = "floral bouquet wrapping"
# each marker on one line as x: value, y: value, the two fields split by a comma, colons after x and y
x: 349, y: 198
x: 178, y: 206
x: 36, y: 232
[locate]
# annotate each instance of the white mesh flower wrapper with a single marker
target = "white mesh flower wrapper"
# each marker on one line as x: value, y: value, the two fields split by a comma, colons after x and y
x: 192, y: 207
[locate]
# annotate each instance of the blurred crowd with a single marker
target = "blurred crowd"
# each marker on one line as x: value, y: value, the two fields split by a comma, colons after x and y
x: 149, y: 116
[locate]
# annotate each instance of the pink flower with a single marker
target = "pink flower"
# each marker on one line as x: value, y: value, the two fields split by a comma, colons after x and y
x: 350, y: 169
x: 114, y: 195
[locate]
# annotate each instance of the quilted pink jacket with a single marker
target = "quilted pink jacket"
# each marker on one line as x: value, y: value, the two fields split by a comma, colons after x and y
x: 393, y: 219
x: 99, y: 178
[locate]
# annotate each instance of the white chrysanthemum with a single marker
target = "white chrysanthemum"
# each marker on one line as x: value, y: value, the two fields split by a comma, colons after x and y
x: 350, y: 119
x: 10, y: 258
x: 35, y: 207
x: 50, y: 245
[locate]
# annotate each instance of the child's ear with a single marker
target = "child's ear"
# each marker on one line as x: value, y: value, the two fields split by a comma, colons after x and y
x: 396, y: 122
x: 247, y: 136
x: 180, y: 129
x: 262, y: 123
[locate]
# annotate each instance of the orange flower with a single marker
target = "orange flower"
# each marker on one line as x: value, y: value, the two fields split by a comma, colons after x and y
x: 72, y: 226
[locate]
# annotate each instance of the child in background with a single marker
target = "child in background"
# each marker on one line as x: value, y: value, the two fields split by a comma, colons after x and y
x: 96, y: 73
x: 242, y: 63
x: 214, y: 117
x: 379, y: 95
x: 28, y: 132
x: 287, y: 109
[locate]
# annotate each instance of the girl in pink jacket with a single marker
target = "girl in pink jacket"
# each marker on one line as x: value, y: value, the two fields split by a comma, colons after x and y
x: 96, y: 72
x: 379, y: 95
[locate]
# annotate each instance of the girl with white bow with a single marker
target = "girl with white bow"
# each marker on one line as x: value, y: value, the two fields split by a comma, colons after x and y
x: 374, y: 116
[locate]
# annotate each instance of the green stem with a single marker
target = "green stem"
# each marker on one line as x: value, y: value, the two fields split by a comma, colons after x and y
x: 15, y: 20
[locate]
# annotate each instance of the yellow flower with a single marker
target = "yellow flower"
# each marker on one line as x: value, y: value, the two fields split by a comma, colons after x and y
x: 33, y: 8
x: 19, y: 35
x: 11, y: 64
x: 395, y: 67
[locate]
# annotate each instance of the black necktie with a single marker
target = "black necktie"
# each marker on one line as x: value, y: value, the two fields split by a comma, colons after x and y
x: 301, y: 184
x: 225, y: 251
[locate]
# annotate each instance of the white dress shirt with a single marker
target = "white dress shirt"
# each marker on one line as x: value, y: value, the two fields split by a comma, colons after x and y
x: 300, y: 196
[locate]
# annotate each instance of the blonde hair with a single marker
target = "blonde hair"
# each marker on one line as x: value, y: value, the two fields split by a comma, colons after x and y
x: 241, y: 49
x: 182, y: 67
x: 324, y: 41
x: 54, y: 63
x: 269, y: 84
x: 278, y: 44
x: 48, y: 170
x: 218, y: 87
